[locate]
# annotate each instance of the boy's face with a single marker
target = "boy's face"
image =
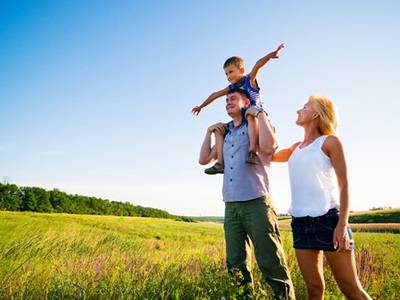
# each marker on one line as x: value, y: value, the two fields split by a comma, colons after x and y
x: 233, y: 73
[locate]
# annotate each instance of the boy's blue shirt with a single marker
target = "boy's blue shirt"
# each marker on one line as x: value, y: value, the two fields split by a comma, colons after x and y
x: 254, y: 93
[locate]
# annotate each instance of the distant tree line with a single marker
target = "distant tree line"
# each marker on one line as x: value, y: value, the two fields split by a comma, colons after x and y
x: 377, y: 216
x: 14, y: 198
x: 380, y: 208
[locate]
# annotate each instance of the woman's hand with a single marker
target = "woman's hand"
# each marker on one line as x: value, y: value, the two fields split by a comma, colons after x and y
x: 341, y: 240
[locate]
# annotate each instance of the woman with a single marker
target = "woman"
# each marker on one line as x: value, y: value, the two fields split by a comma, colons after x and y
x: 318, y: 177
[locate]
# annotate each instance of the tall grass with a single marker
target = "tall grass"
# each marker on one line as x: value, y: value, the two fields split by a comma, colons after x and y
x: 102, y: 257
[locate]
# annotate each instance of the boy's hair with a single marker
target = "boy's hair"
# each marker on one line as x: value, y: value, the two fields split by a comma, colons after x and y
x: 242, y: 93
x: 234, y: 60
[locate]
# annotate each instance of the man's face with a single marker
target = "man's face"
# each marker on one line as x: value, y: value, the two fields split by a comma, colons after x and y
x: 234, y: 104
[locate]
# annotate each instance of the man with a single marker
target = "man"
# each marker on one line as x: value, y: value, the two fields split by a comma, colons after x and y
x: 249, y: 214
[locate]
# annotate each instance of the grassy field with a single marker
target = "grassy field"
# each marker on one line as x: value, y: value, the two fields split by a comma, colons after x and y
x: 284, y: 224
x: 59, y: 256
x: 387, y: 220
x: 376, y: 216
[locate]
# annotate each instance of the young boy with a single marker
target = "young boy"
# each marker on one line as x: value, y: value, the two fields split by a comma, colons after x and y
x: 235, y: 73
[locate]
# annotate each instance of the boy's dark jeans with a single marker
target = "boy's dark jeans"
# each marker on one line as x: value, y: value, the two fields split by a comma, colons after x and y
x: 255, y: 220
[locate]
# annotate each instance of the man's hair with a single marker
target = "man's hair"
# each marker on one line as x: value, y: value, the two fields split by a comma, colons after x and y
x: 243, y: 93
x: 234, y: 60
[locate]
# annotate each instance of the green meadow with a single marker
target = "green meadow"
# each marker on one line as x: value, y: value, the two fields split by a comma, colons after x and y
x: 62, y: 256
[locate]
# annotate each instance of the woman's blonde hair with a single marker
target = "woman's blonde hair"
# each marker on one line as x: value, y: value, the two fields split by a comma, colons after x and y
x: 327, y: 112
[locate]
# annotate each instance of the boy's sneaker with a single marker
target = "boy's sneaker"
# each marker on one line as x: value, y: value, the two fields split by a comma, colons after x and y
x: 252, y: 158
x: 215, y: 169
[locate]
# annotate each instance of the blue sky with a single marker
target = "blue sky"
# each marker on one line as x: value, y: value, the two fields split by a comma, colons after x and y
x: 96, y: 95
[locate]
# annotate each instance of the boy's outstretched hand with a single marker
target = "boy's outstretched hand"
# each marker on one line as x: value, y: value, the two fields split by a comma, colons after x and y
x: 196, y: 110
x: 275, y: 54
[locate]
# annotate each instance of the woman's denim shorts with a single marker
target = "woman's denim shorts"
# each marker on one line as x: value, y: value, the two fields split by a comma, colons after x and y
x: 317, y: 232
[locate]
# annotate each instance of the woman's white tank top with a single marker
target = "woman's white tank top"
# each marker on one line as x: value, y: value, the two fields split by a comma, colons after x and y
x: 313, y: 181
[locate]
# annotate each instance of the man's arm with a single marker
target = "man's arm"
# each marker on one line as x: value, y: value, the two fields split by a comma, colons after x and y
x: 196, y: 110
x: 208, y: 153
x: 261, y: 62
x: 267, y: 141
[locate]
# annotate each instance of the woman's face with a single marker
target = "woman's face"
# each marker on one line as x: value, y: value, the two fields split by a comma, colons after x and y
x: 306, y: 114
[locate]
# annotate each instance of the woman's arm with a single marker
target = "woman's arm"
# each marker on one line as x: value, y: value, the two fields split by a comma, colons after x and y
x: 284, y: 154
x: 334, y: 150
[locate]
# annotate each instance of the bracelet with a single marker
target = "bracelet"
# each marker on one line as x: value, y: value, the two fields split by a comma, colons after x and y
x: 260, y: 110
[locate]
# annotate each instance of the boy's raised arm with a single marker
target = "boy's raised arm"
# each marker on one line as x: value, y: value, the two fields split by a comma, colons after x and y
x: 196, y: 110
x: 262, y: 61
